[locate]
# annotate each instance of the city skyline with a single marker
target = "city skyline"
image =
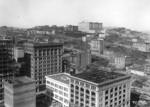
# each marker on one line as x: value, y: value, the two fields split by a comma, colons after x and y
x: 133, y: 14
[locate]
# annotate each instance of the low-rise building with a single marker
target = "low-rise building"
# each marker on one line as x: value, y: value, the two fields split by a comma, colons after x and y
x: 57, y: 87
x: 20, y: 92
x: 138, y: 70
x: 121, y: 61
x: 90, y: 27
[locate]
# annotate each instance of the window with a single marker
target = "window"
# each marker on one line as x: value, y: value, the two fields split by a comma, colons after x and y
x: 119, y: 92
x: 92, y: 104
x: 93, y: 87
x: 116, y: 88
x: 124, y: 86
x: 56, y: 90
x: 47, y: 82
x: 124, y: 90
x: 119, y: 97
x: 52, y: 83
x: 100, y: 94
x: 87, y: 102
x: 106, y: 98
x: 60, y: 98
x: 66, y: 101
x: 106, y: 92
x: 101, y: 99
x: 56, y: 96
x: 72, y: 91
x: 111, y: 95
x: 77, y: 87
x: 65, y: 89
x: 120, y: 87
x: 87, y: 85
x: 72, y: 86
x: 60, y: 92
x: 124, y: 95
x: 81, y: 83
x: 93, y: 93
x: 87, y: 96
x: 77, y: 82
x: 65, y: 94
x: 72, y: 100
x: 72, y: 95
x: 77, y: 92
x: 77, y: 97
x: 106, y: 103
x: 93, y: 99
x: 82, y: 89
x: 56, y: 85
x: 111, y: 90
x: 111, y: 101
x: 60, y: 87
x: 87, y: 91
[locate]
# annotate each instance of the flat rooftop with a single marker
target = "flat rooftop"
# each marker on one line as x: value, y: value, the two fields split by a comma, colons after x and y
x: 20, y: 80
x: 61, y: 77
x: 100, y: 76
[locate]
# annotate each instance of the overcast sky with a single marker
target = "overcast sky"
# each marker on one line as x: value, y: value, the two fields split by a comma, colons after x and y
x: 133, y: 14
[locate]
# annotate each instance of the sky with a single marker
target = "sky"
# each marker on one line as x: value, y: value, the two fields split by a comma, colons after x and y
x: 133, y: 14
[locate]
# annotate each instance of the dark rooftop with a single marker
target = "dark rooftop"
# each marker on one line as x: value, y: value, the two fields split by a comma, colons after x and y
x: 100, y: 76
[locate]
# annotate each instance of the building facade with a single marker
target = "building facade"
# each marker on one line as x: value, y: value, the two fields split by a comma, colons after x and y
x: 97, y: 46
x: 71, y: 28
x: 57, y: 87
x: 43, y: 59
x: 20, y: 92
x: 142, y: 46
x: 90, y: 27
x: 101, y: 89
x: 6, y: 62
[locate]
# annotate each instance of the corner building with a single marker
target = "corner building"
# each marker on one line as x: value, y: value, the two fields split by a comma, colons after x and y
x: 43, y: 59
x: 100, y: 89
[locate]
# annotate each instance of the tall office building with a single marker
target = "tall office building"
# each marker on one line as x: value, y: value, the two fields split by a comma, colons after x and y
x: 43, y: 59
x: 99, y: 89
x: 6, y: 61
